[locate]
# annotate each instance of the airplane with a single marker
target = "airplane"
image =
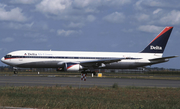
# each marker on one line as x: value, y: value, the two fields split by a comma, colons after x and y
x: 89, y: 61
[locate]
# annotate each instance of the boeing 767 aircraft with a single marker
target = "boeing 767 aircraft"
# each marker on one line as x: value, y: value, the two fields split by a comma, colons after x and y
x: 88, y: 61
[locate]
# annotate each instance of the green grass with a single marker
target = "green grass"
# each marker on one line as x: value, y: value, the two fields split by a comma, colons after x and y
x: 91, y: 98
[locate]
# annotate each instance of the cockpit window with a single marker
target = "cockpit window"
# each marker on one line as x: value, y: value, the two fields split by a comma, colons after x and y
x: 8, y: 56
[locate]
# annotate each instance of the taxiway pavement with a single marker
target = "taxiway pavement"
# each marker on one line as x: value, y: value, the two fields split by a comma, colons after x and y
x: 90, y: 82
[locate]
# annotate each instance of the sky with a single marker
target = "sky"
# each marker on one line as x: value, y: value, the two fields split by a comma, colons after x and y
x: 88, y: 25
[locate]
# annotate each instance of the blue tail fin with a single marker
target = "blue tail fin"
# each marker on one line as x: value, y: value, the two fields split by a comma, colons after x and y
x: 158, y: 44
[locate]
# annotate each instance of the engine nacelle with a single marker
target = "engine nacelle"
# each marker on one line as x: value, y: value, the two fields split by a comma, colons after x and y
x: 70, y: 67
x: 73, y: 67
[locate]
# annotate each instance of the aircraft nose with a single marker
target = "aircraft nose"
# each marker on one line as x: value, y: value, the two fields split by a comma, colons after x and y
x: 2, y: 59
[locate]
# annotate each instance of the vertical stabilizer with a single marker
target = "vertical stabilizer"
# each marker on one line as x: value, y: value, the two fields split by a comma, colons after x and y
x: 158, y: 44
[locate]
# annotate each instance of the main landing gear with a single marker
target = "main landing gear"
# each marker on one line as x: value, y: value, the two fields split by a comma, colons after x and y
x: 85, y: 72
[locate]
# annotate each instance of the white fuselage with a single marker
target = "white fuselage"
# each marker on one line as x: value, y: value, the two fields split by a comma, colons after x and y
x: 55, y: 59
x: 78, y: 60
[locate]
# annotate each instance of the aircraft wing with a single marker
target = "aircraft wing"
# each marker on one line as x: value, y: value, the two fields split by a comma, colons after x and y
x: 163, y: 58
x: 99, y: 62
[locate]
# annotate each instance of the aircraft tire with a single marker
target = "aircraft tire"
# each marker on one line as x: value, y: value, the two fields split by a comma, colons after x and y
x: 94, y: 73
x: 15, y: 72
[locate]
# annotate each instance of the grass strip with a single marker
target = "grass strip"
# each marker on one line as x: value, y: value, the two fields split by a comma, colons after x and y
x: 90, y: 98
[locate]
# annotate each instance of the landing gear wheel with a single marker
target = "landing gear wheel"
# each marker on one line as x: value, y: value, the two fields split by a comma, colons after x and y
x: 94, y: 73
x: 15, y: 72
x: 84, y: 72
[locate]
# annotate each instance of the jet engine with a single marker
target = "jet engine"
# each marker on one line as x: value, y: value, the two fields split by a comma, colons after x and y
x: 70, y: 67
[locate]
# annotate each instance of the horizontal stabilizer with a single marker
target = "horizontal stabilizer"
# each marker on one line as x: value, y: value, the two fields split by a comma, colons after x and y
x: 163, y: 58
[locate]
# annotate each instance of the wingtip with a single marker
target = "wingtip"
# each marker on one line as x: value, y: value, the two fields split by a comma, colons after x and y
x: 176, y: 56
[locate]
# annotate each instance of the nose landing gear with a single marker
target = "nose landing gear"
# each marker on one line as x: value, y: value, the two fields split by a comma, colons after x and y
x: 15, y: 70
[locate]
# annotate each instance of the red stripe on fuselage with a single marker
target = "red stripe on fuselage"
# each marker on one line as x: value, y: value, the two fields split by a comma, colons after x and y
x: 11, y: 58
x: 8, y: 58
